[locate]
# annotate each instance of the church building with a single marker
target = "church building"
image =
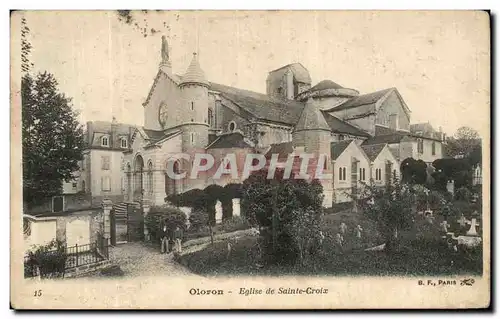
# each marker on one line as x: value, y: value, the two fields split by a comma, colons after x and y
x: 190, y: 114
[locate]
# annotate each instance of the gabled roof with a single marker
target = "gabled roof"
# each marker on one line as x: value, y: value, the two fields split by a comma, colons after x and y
x: 337, y: 148
x: 282, y: 149
x: 364, y: 99
x: 372, y: 151
x: 339, y: 126
x: 230, y: 140
x: 299, y: 72
x: 311, y: 118
x: 324, y: 85
x: 260, y: 105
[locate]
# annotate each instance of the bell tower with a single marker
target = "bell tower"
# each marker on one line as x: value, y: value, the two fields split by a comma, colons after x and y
x: 194, y: 92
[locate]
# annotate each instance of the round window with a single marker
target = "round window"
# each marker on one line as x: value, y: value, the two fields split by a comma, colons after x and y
x: 232, y: 126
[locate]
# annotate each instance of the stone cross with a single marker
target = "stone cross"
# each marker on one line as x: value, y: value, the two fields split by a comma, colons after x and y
x: 445, y: 226
x: 463, y: 221
x: 472, y: 231
x: 358, y: 231
x: 338, y: 239
x: 343, y: 228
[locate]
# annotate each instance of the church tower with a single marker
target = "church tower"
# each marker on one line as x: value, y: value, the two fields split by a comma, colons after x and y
x: 313, y: 135
x: 194, y: 92
x: 311, y: 131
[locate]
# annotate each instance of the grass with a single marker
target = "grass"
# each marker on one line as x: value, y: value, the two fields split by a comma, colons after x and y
x: 425, y: 254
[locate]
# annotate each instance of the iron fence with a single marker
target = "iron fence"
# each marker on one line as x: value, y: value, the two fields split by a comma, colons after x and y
x: 55, y: 262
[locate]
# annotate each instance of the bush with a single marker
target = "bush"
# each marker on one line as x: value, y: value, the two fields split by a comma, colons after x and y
x: 50, y: 260
x: 164, y: 215
x: 234, y: 224
x: 198, y: 219
x: 463, y: 193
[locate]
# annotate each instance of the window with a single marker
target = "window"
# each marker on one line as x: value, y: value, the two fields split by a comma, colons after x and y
x: 210, y: 117
x: 57, y: 204
x: 74, y: 185
x: 420, y: 146
x: 192, y: 106
x: 341, y: 137
x: 232, y: 126
x: 105, y: 141
x: 433, y: 148
x: 325, y: 164
x: 342, y: 173
x: 378, y: 174
x: 83, y: 186
x: 192, y: 137
x: 362, y: 175
x: 105, y: 163
x: 105, y: 183
x: 124, y: 142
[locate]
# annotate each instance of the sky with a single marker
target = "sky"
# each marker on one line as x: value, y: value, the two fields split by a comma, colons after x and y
x: 439, y: 61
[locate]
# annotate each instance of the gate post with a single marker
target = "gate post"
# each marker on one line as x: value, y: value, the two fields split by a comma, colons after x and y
x: 146, y: 206
x: 107, y: 205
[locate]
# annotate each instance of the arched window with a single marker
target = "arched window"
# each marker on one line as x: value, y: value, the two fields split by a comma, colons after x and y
x: 210, y: 117
x: 150, y: 177
x: 105, y: 141
x: 433, y: 148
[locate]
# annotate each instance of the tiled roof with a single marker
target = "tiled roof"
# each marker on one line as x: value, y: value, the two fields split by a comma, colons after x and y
x: 339, y: 147
x: 262, y: 106
x: 385, y: 139
x: 373, y: 150
x: 194, y: 73
x: 231, y: 140
x: 154, y: 135
x: 324, y: 85
x: 339, y: 126
x: 282, y: 149
x: 365, y: 99
x: 311, y: 118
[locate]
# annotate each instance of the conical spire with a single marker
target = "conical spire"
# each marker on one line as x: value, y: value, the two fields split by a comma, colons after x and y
x: 194, y: 73
x: 311, y: 118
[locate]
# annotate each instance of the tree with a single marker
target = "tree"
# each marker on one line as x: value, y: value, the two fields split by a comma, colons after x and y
x: 391, y: 207
x: 52, y: 137
x: 413, y: 171
x: 458, y: 170
x: 230, y: 192
x: 463, y: 142
x: 288, y: 213
x: 164, y: 216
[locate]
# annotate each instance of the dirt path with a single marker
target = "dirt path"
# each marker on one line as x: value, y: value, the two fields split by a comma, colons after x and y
x: 136, y: 259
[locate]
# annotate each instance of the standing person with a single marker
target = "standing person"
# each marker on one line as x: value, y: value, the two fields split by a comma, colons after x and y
x: 164, y: 239
x: 178, y: 239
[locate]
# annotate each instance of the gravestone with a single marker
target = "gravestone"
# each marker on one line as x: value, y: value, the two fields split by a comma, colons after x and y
x: 473, y: 231
x: 236, y: 207
x: 450, y: 187
x: 218, y: 212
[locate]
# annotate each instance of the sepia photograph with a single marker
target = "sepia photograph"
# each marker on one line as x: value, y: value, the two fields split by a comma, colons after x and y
x: 250, y: 159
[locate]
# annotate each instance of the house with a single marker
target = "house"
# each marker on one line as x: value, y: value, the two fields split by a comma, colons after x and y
x: 351, y: 167
x: 384, y: 166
